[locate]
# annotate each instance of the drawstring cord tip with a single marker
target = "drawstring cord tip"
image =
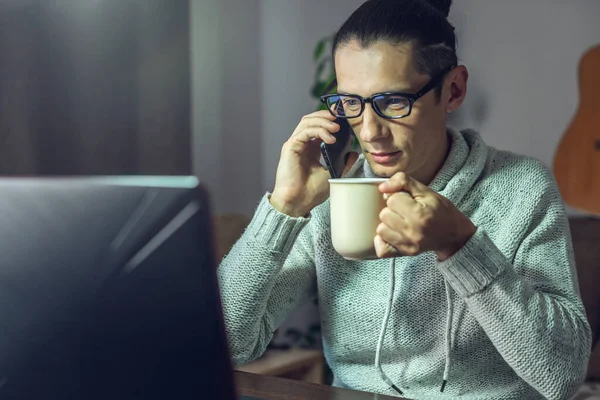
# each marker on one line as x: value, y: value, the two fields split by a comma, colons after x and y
x: 397, y: 390
x: 443, y: 386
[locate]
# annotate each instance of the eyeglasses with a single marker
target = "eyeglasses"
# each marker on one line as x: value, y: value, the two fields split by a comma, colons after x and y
x: 387, y: 105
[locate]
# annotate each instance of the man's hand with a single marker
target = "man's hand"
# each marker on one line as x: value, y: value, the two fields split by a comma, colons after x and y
x: 417, y: 220
x: 302, y: 183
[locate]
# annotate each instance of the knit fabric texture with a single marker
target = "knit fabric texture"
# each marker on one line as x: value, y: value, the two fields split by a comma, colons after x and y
x: 518, y: 331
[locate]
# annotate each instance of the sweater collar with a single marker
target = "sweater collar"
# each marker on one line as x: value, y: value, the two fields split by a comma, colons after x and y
x: 463, y: 166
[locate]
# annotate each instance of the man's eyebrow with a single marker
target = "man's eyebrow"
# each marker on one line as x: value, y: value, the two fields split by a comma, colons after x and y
x: 389, y: 90
x: 400, y: 90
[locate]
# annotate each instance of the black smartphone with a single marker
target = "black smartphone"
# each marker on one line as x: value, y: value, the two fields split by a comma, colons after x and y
x: 334, y: 155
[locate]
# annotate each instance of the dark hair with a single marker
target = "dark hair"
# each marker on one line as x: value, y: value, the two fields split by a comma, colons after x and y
x: 423, y: 22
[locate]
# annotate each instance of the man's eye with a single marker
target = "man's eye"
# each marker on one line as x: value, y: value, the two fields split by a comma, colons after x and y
x: 396, y: 103
x: 352, y: 104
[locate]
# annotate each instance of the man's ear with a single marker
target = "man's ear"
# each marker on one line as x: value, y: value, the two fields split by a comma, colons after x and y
x: 456, y: 88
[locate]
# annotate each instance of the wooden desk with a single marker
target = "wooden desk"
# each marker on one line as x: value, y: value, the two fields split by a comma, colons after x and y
x: 296, y: 364
x: 271, y: 388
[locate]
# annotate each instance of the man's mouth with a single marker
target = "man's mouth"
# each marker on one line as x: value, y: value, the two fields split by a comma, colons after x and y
x: 385, y: 158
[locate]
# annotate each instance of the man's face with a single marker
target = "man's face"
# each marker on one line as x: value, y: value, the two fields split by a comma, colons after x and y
x: 413, y: 144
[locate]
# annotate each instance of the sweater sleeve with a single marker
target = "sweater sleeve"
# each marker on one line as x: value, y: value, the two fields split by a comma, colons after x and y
x: 265, y: 276
x: 530, y: 308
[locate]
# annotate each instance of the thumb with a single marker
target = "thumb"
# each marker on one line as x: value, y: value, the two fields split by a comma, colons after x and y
x: 401, y: 182
x: 352, y: 157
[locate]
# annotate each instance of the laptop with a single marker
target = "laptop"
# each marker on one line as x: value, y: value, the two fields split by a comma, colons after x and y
x: 108, y: 290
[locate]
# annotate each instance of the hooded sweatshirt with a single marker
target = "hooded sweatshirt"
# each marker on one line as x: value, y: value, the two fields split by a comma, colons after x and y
x: 500, y: 319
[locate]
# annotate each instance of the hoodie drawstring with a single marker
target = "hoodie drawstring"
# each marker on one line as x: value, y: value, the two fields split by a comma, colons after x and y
x: 386, y: 318
x: 449, y: 317
x: 384, y: 328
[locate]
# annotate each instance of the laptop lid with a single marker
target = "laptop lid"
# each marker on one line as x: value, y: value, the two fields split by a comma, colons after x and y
x: 108, y: 290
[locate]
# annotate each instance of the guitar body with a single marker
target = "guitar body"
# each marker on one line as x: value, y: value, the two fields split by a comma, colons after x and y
x: 577, y: 160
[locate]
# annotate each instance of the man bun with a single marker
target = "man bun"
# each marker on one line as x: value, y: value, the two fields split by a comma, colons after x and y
x: 443, y: 6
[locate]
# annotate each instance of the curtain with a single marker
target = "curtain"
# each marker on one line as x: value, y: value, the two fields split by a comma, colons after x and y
x: 94, y: 87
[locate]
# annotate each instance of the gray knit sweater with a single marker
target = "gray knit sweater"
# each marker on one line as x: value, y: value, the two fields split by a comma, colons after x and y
x: 517, y: 329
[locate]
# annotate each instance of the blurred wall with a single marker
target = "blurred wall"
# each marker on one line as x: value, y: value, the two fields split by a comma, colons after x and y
x: 227, y: 102
x: 523, y: 56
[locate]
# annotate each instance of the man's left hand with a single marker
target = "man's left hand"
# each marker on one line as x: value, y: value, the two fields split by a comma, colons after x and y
x: 417, y: 220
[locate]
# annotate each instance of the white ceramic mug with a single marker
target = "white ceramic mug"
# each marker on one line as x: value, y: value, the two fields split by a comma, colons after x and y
x: 355, y: 207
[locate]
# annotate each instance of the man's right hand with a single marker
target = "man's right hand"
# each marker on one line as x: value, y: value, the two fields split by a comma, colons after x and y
x: 302, y: 183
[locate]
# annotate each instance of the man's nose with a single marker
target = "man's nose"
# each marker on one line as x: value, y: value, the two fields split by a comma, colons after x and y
x: 371, y: 128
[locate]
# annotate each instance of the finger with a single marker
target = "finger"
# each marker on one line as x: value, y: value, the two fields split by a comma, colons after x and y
x: 399, y: 237
x: 385, y: 250
x: 401, y: 203
x: 308, y: 134
x: 316, y: 122
x: 393, y: 219
x: 393, y: 236
x: 402, y: 182
x: 320, y: 114
x: 352, y: 157
x: 397, y: 183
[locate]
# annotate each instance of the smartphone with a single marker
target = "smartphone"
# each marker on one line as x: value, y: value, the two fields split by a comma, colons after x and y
x: 334, y: 155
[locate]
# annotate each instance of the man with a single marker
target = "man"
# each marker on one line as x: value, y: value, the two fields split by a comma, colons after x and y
x: 486, y: 303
